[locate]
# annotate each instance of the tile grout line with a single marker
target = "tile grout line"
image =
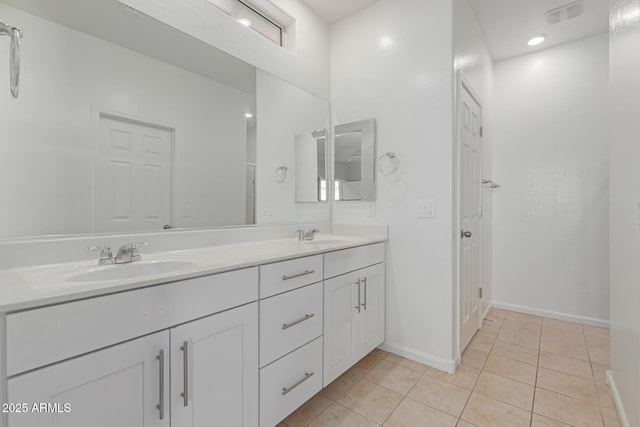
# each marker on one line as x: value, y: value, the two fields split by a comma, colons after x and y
x: 476, y: 382
x: 535, y: 387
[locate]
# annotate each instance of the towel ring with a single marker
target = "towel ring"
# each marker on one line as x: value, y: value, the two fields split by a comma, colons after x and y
x: 281, y: 174
x: 390, y: 165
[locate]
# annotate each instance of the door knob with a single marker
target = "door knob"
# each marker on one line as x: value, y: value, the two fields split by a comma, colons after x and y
x: 464, y: 234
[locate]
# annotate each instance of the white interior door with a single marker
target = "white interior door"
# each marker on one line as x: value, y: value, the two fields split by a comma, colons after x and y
x: 469, y: 118
x: 132, y: 177
x: 251, y: 194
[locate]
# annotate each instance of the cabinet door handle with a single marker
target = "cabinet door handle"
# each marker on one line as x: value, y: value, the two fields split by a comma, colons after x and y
x: 359, y: 301
x: 286, y: 390
x: 185, y: 368
x: 306, y: 272
x: 306, y: 317
x: 160, y: 406
x: 365, y: 294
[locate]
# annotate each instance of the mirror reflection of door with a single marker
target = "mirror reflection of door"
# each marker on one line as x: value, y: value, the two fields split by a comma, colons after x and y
x: 348, y: 166
x: 310, y: 151
x: 251, y: 194
x: 132, y: 176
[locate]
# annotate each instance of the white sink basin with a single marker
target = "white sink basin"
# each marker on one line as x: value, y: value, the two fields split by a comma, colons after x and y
x: 128, y: 271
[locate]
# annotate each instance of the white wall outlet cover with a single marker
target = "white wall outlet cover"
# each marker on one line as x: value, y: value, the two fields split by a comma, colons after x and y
x: 298, y: 209
x: 426, y: 208
x: 267, y: 210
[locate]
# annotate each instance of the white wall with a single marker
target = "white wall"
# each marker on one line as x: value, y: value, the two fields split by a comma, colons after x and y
x: 307, y: 65
x: 284, y: 111
x: 550, y: 156
x: 45, y: 154
x: 407, y: 88
x: 472, y: 59
x: 624, y: 164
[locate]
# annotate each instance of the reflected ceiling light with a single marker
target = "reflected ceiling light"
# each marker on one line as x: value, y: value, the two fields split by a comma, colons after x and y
x: 248, y: 115
x: 244, y: 21
x: 386, y: 43
x: 535, y: 41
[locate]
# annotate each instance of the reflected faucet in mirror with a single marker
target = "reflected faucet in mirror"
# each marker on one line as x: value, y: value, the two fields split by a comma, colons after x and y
x: 307, y: 235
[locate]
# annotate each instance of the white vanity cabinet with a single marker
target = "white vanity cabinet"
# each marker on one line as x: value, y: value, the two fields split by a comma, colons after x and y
x: 354, y: 307
x: 291, y: 323
x: 243, y: 348
x: 190, y: 372
x: 119, y: 386
x: 214, y: 370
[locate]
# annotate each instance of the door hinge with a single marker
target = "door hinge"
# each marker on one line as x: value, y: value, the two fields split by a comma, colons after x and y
x: 481, y: 131
x: 480, y: 292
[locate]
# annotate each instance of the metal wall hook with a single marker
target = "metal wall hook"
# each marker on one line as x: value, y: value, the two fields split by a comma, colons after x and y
x: 391, y: 164
x: 490, y: 183
x: 281, y: 174
x: 14, y: 56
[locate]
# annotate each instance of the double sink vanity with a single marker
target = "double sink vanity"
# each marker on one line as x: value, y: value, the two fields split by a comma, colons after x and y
x: 235, y: 334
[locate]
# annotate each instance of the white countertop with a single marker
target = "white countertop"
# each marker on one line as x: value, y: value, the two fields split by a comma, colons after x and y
x: 29, y: 287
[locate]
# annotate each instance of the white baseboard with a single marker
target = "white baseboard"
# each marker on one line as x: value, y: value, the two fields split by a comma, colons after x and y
x: 486, y: 310
x: 436, y: 362
x: 592, y: 321
x: 617, y: 401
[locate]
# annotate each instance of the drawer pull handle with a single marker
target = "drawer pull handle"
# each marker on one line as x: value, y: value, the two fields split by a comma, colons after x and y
x: 286, y: 390
x: 160, y: 406
x: 185, y: 373
x: 306, y: 317
x: 306, y: 272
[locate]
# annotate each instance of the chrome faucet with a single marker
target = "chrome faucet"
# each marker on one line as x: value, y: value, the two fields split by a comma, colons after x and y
x: 129, y: 253
x: 106, y: 256
x: 307, y: 235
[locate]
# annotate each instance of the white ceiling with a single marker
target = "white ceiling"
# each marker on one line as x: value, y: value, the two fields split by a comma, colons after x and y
x: 334, y: 10
x: 507, y: 25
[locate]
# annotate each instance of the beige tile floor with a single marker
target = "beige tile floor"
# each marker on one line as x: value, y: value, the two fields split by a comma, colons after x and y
x: 518, y: 370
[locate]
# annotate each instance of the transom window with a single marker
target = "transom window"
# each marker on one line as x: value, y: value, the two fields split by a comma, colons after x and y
x: 255, y: 18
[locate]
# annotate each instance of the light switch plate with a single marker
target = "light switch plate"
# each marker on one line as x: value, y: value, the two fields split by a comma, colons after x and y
x: 426, y: 208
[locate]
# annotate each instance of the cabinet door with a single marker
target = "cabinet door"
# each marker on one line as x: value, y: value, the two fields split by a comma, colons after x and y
x: 341, y: 344
x: 218, y: 371
x: 372, y: 317
x: 119, y: 386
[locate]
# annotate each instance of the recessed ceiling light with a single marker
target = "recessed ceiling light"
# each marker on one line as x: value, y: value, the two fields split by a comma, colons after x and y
x: 244, y: 21
x: 248, y: 115
x: 386, y: 43
x: 535, y: 41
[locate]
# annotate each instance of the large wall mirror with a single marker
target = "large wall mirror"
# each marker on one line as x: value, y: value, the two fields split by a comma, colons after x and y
x: 126, y: 124
x: 354, y: 161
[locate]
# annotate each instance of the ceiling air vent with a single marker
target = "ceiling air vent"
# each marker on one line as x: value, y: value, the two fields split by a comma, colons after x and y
x: 564, y: 13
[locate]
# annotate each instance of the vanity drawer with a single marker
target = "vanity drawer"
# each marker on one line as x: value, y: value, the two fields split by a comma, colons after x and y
x: 288, y: 275
x: 347, y: 260
x: 46, y: 335
x: 289, y: 382
x: 289, y: 320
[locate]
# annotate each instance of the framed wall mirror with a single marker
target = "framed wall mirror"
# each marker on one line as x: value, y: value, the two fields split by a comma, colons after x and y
x: 354, y: 161
x: 310, y: 150
x: 140, y: 129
